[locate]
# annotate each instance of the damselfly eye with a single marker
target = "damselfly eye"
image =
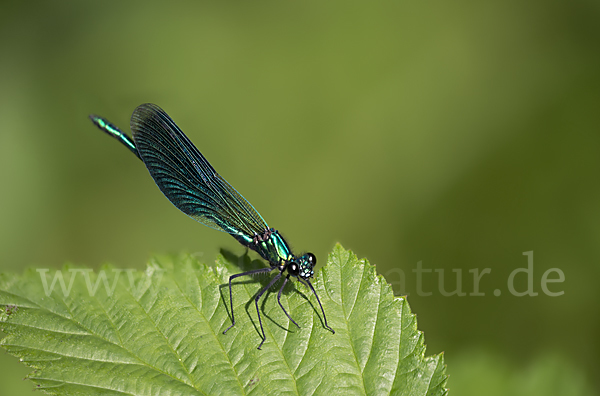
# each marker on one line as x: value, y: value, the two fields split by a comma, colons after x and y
x: 311, y: 258
x: 293, y: 269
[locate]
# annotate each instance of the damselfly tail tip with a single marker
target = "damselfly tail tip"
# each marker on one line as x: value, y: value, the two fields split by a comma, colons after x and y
x: 96, y: 120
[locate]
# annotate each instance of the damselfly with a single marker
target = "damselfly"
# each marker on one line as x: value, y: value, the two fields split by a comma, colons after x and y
x: 188, y: 180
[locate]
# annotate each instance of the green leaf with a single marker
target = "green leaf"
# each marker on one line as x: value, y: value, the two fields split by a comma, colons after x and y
x: 160, y: 332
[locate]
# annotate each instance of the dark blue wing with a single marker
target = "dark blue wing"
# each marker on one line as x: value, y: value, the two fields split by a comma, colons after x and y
x: 186, y: 178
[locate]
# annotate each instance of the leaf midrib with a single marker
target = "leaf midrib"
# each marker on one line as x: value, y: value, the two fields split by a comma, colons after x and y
x: 362, y: 275
x: 214, y: 334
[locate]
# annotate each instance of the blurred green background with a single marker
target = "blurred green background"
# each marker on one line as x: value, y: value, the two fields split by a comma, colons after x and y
x: 460, y: 134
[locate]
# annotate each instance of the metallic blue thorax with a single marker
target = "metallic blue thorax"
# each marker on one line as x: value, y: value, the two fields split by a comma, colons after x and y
x: 270, y: 246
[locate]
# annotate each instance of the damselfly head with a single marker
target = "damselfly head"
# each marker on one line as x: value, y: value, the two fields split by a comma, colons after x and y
x: 303, y: 266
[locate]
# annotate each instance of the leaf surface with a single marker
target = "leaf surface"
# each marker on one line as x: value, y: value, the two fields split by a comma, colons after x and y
x: 160, y: 332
